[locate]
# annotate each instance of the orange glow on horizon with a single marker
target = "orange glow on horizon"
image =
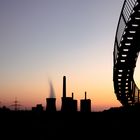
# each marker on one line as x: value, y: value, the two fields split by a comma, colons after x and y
x: 36, y: 93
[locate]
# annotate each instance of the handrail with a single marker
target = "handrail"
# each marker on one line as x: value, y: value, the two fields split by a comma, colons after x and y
x: 126, y: 12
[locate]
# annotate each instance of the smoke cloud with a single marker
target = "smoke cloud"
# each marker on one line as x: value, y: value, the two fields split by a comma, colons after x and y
x: 52, y: 93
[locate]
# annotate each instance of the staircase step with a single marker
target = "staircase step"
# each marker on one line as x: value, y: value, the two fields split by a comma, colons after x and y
x: 133, y: 23
x: 128, y: 34
x: 137, y: 7
x: 135, y: 14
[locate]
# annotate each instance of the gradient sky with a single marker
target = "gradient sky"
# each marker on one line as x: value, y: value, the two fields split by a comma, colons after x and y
x: 42, y: 40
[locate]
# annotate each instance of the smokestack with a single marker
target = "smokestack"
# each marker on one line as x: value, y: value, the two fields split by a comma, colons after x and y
x: 72, y: 95
x: 64, y: 86
x: 85, y: 95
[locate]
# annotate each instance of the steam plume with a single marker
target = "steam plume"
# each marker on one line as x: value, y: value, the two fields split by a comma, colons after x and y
x: 52, y: 93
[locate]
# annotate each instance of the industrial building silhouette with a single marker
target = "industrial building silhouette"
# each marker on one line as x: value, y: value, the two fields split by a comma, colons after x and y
x: 85, y: 104
x: 50, y: 104
x: 68, y: 104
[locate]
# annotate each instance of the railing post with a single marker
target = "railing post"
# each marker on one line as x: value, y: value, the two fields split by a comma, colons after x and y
x: 138, y: 95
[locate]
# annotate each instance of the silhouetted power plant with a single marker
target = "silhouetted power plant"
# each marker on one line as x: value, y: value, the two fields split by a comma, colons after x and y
x: 68, y: 104
x: 85, y: 104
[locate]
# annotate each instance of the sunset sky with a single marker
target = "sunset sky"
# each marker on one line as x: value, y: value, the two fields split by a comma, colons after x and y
x: 43, y: 40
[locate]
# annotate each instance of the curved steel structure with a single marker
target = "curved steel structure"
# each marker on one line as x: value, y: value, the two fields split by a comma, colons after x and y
x: 126, y: 50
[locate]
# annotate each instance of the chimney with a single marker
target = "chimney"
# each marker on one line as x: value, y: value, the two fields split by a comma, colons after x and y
x: 72, y: 95
x: 85, y: 95
x: 64, y: 86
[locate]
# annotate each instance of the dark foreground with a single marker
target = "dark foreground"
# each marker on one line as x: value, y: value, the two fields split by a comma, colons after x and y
x: 48, y: 126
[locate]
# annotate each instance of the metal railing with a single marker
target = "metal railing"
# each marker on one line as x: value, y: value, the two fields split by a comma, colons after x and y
x: 126, y: 12
x: 125, y: 17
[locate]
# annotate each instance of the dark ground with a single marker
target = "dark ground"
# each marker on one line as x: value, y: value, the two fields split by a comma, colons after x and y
x: 27, y: 125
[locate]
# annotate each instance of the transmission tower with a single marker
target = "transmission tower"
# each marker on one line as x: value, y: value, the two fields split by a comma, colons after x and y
x: 16, y: 104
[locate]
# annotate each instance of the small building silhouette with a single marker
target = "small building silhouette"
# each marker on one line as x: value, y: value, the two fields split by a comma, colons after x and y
x: 38, y: 108
x: 4, y: 109
x: 85, y: 104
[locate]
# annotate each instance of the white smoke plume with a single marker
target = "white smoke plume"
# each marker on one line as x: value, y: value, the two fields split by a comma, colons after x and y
x: 52, y: 92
